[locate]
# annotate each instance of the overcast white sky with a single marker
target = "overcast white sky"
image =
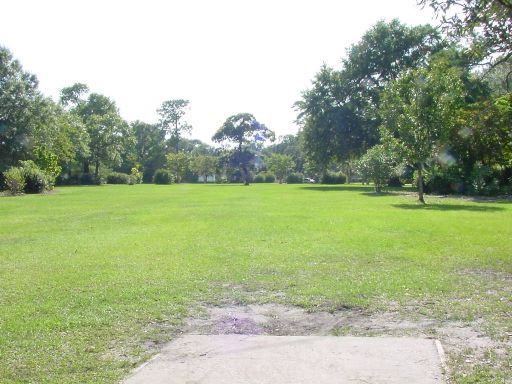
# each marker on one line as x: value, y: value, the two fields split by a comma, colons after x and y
x: 225, y: 56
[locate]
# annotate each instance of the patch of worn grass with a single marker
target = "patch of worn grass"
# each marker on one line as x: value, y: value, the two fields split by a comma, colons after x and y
x: 92, y: 277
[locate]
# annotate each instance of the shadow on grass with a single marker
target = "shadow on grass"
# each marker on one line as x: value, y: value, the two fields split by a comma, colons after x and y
x: 338, y: 188
x: 447, y: 207
x: 378, y: 194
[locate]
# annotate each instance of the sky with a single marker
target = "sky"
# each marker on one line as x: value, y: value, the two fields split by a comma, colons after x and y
x: 224, y: 56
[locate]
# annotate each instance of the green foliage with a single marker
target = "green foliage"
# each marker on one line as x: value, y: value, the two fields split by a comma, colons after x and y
x: 171, y: 113
x: 269, y: 177
x: 91, y: 179
x: 483, y: 181
x: 487, y: 24
x: 264, y: 177
x: 295, y: 178
x: 14, y: 179
x: 163, y: 176
x: 118, y: 178
x: 178, y: 164
x: 242, y: 130
x: 48, y: 162
x: 379, y: 165
x: 259, y: 178
x: 204, y: 165
x: 136, y: 176
x: 36, y: 181
x: 281, y: 165
x: 338, y: 114
x: 333, y: 178
x: 419, y: 111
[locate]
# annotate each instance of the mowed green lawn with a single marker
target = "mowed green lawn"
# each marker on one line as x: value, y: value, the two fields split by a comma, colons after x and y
x: 89, y: 275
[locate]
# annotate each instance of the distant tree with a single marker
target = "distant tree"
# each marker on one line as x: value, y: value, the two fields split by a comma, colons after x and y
x: 149, y: 147
x: 419, y: 109
x: 171, y: 113
x: 178, y: 163
x: 281, y: 165
x: 242, y: 130
x: 288, y: 145
x: 204, y: 165
x: 109, y: 134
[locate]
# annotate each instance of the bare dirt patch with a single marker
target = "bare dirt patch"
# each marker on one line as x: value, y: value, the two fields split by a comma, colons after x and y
x: 466, y: 343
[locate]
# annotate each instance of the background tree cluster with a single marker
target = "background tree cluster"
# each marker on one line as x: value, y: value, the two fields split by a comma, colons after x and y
x: 438, y: 106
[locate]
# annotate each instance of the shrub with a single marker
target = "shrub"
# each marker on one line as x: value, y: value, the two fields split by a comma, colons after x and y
x: 163, y: 176
x: 443, y: 181
x: 395, y: 182
x: 35, y: 180
x: 259, y: 178
x: 270, y: 178
x: 2, y: 182
x: 118, y: 178
x: 90, y: 179
x: 136, y: 176
x: 483, y: 180
x: 333, y: 178
x: 14, y: 180
x: 295, y: 178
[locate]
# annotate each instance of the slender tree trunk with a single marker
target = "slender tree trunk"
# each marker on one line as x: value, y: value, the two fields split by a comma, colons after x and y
x: 86, y: 167
x: 245, y: 174
x: 420, y: 184
x: 97, y: 168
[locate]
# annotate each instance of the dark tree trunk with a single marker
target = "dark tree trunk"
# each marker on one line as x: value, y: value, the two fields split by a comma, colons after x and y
x: 420, y: 184
x: 86, y: 167
x: 97, y: 168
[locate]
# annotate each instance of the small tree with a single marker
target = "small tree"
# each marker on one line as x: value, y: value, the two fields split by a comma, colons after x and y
x: 378, y: 165
x: 204, y: 165
x: 171, y: 113
x: 281, y: 165
x: 178, y: 164
x: 419, y: 110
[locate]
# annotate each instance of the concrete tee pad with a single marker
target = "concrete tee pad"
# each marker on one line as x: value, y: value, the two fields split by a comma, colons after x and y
x: 242, y: 359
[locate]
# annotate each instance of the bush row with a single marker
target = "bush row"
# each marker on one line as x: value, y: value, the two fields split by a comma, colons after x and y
x: 264, y: 177
x: 333, y: 178
x: 27, y: 178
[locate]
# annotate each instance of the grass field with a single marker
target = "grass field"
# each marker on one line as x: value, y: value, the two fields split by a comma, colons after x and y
x: 89, y: 275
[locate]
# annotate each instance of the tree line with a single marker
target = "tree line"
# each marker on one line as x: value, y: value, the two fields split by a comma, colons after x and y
x: 408, y: 104
x: 417, y: 104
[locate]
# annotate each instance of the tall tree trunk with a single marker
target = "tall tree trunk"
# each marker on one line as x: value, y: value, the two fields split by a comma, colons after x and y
x: 97, y: 168
x: 245, y: 174
x: 86, y: 167
x: 420, y: 184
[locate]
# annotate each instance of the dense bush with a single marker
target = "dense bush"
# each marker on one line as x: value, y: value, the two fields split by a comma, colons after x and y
x: 163, y: 176
x: 136, y: 176
x: 259, y: 178
x: 118, y: 178
x: 270, y: 177
x: 2, y: 182
x: 14, y: 180
x: 35, y: 180
x: 395, y: 182
x: 333, y: 178
x: 264, y: 177
x: 90, y: 179
x: 294, y: 178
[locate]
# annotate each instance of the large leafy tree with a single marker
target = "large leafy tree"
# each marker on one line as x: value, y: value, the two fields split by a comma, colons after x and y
x: 110, y: 136
x: 149, y: 147
x: 19, y: 101
x: 487, y: 24
x: 171, y: 121
x: 204, y: 165
x: 419, y: 111
x: 242, y: 130
x: 338, y: 113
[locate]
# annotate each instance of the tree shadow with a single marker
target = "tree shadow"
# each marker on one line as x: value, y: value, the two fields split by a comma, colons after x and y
x: 448, y: 207
x: 338, y: 188
x: 378, y: 194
